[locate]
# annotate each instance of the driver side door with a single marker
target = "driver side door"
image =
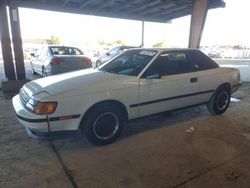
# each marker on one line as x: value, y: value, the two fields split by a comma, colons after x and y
x: 176, y: 86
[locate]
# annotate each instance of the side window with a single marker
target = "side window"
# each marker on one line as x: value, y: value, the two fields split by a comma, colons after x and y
x: 44, y: 52
x: 202, y: 62
x: 39, y: 51
x: 114, y: 51
x: 170, y: 63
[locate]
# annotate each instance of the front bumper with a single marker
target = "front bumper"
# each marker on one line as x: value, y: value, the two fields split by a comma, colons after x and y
x: 50, y: 135
x: 28, y: 119
x: 42, y: 126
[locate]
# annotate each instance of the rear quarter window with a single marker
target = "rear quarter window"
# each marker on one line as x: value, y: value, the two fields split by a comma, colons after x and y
x: 202, y: 61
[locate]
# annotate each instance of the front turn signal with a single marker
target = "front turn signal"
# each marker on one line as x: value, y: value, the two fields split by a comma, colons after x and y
x: 43, y: 108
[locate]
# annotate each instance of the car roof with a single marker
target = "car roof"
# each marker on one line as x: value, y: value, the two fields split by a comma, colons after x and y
x: 127, y: 47
x: 51, y: 45
x: 166, y: 49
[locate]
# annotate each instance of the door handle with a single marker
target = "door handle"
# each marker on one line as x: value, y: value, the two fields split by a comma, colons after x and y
x: 194, y: 79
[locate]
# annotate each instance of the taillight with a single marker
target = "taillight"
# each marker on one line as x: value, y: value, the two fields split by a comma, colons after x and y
x: 56, y: 61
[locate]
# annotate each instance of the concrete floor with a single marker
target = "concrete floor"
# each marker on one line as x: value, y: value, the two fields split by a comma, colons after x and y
x: 187, y: 148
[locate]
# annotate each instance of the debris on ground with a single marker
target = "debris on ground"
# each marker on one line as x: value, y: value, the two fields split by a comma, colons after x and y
x: 190, y: 130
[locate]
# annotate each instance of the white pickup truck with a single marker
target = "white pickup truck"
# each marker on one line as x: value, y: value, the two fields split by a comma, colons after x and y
x: 137, y: 83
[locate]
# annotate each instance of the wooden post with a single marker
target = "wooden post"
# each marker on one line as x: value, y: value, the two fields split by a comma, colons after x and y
x: 6, y: 43
x: 198, y: 19
x: 16, y: 39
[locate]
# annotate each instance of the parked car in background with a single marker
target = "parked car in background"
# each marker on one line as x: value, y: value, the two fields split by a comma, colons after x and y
x: 214, y: 54
x: 53, y: 59
x: 111, y: 53
x: 137, y: 83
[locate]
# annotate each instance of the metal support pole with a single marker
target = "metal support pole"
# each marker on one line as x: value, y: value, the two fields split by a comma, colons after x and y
x: 6, y: 43
x: 198, y: 19
x: 16, y: 39
x: 142, y: 35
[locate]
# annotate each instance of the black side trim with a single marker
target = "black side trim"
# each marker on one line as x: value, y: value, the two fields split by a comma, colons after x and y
x: 45, y: 120
x: 58, y: 118
x: 170, y: 98
x: 182, y: 108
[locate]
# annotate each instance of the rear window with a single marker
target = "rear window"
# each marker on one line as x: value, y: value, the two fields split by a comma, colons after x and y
x: 65, y: 51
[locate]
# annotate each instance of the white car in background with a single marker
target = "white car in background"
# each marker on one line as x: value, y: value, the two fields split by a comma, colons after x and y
x: 111, y: 54
x: 55, y: 59
x: 137, y: 83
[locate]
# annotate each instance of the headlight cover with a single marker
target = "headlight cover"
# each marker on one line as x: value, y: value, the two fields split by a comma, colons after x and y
x: 36, y: 106
x: 41, y: 108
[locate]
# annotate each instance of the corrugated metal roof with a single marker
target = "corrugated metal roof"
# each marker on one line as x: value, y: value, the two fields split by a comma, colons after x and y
x: 144, y: 10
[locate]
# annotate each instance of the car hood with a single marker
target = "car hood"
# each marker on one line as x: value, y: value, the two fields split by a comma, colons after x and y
x: 83, y: 81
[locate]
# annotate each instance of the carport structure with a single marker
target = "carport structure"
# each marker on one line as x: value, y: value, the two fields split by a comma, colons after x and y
x: 142, y: 10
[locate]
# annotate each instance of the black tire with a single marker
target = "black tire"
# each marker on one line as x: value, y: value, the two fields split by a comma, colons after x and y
x: 32, y: 69
x: 103, y: 124
x: 44, y: 74
x: 98, y: 63
x: 219, y: 101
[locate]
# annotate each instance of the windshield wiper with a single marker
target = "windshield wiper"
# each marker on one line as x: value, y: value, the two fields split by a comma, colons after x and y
x: 109, y: 71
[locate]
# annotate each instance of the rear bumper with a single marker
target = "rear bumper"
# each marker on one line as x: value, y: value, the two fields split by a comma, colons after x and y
x: 53, y: 70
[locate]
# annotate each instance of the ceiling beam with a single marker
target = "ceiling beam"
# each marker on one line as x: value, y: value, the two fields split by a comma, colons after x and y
x: 172, y: 14
x: 83, y: 5
x: 142, y: 10
x: 156, y: 8
x: 65, y: 3
x: 144, y: 5
x: 124, y: 5
x: 171, y: 10
x: 105, y: 4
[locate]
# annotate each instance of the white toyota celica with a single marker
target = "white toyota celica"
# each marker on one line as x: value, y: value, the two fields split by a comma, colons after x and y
x: 137, y: 83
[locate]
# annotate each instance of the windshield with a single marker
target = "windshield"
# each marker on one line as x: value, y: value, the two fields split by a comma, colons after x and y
x: 129, y: 63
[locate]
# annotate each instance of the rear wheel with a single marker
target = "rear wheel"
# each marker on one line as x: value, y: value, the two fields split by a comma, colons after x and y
x: 44, y: 74
x: 103, y: 124
x: 98, y: 63
x: 32, y: 69
x: 220, y: 101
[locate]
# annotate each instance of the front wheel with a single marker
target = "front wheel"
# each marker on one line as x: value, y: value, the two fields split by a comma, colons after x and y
x: 220, y: 101
x: 103, y: 124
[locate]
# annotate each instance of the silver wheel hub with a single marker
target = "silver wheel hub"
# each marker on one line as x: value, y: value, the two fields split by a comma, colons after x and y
x: 106, y: 125
x: 222, y: 100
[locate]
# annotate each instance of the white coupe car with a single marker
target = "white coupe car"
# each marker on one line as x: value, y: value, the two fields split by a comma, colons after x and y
x: 137, y: 83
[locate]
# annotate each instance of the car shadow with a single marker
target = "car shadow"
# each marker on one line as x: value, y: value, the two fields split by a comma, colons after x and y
x: 164, y: 119
x: 135, y: 127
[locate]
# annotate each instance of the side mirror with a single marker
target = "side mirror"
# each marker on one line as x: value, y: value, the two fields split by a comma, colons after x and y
x: 108, y: 54
x: 153, y: 76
